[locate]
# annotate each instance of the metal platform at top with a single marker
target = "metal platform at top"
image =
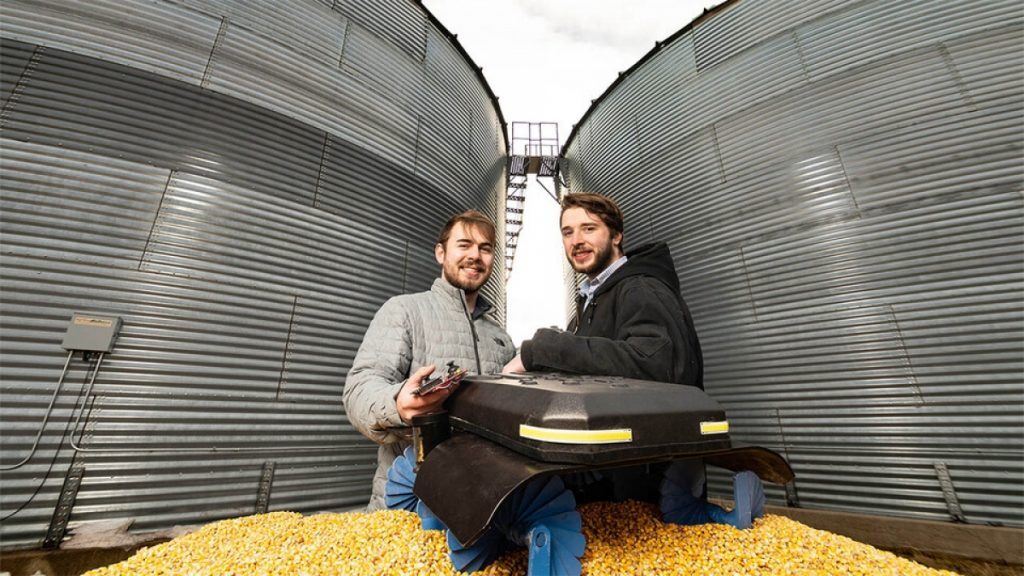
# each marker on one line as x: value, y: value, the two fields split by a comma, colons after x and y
x: 533, y: 150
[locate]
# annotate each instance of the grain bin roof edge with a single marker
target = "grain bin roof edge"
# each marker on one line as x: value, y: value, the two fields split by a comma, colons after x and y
x: 476, y: 69
x: 708, y: 13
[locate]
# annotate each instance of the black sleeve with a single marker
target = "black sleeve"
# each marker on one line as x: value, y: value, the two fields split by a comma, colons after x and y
x: 641, y: 346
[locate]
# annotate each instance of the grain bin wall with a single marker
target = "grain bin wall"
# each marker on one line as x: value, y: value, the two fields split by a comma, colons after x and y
x: 243, y: 184
x: 841, y: 186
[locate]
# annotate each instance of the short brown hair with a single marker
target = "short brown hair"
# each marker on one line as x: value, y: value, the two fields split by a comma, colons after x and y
x: 469, y: 218
x: 601, y: 206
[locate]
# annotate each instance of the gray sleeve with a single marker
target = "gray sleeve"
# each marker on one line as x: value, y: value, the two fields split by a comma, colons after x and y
x: 380, y: 369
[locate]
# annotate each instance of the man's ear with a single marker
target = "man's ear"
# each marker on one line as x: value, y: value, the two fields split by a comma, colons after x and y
x: 439, y: 253
x: 617, y: 241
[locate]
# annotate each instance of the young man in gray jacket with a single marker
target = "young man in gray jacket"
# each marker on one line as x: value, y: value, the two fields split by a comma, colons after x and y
x: 414, y: 334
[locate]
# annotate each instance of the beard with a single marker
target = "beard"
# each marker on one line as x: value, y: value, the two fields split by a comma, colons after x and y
x: 602, y: 259
x: 451, y: 272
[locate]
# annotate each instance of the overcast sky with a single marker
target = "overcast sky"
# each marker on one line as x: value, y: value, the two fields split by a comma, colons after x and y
x: 546, y: 60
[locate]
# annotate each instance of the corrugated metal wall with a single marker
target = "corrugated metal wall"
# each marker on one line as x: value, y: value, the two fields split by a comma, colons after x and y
x: 841, y: 186
x: 244, y: 184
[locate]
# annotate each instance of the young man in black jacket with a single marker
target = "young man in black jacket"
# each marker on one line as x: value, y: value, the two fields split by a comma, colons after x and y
x: 631, y: 320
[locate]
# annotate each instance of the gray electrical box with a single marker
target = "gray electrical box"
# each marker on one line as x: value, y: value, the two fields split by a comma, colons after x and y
x: 91, y: 332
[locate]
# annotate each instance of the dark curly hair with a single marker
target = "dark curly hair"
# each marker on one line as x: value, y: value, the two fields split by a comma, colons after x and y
x: 601, y: 206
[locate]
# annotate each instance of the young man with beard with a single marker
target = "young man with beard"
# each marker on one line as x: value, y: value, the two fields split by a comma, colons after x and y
x: 414, y: 334
x: 631, y: 320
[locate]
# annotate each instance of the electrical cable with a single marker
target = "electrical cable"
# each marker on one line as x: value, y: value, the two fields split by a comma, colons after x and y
x: 77, y: 448
x: 46, y: 417
x: 56, y: 454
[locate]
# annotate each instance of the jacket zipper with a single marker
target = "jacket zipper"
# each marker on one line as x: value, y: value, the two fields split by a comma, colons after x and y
x: 472, y: 328
x: 580, y: 301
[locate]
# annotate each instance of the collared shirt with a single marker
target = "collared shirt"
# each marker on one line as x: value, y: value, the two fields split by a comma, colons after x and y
x: 588, y: 287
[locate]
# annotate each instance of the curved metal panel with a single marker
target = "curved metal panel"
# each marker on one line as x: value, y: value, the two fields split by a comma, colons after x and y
x: 736, y: 27
x: 160, y: 37
x: 841, y: 186
x: 402, y: 23
x: 242, y: 186
x: 317, y: 93
x: 15, y: 64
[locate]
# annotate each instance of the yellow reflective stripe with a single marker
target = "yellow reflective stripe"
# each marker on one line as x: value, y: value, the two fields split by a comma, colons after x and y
x: 714, y: 427
x: 566, y: 436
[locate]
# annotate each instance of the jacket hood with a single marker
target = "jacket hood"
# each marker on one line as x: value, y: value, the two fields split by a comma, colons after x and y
x: 654, y: 260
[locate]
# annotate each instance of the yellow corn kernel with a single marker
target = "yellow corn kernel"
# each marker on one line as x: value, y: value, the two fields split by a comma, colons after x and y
x: 622, y: 539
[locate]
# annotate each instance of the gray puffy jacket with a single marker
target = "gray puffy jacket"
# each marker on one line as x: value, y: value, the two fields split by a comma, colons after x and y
x: 411, y: 331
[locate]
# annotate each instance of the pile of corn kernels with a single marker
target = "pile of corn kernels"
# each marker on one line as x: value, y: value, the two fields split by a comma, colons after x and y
x: 622, y: 538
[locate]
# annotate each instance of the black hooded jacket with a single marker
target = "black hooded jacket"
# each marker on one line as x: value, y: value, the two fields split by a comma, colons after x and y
x: 636, y: 326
